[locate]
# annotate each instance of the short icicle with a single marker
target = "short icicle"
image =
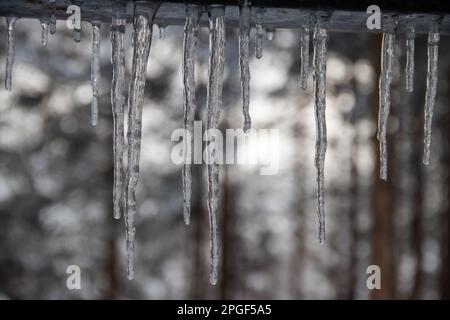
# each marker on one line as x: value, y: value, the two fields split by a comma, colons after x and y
x: 244, y: 41
x: 52, y: 26
x: 259, y: 33
x: 45, y: 22
x: 118, y: 95
x: 95, y: 71
x: 214, y: 104
x: 162, y: 31
x: 410, y: 36
x: 77, y: 27
x: 10, y: 52
x: 430, y: 95
x: 144, y: 13
x: 190, y: 104
x: 270, y: 33
x: 387, y: 57
x: 304, y: 53
x: 77, y: 34
x: 320, y: 68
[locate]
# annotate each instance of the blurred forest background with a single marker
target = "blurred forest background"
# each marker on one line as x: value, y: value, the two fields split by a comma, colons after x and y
x: 56, y: 176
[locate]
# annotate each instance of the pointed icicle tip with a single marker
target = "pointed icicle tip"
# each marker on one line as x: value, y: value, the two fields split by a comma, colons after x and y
x: 130, y: 275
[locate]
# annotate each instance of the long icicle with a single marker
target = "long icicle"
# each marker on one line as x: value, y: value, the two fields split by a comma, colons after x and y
x: 410, y: 35
x: 320, y: 69
x: 430, y: 95
x: 244, y: 52
x: 144, y: 13
x: 10, y: 52
x: 214, y: 104
x: 387, y: 57
x: 190, y: 103
x: 304, y: 52
x: 118, y: 94
x: 95, y: 71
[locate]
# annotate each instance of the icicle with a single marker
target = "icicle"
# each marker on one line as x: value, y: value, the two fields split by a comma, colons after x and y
x: 320, y: 68
x: 95, y: 70
x: 144, y: 13
x: 430, y: 95
x: 214, y: 104
x: 259, y: 38
x: 118, y: 94
x: 304, y: 51
x: 410, y: 35
x: 44, y: 29
x: 77, y: 35
x: 77, y: 27
x: 269, y: 33
x: 244, y: 39
x: 10, y: 23
x: 387, y: 56
x: 190, y: 104
x: 259, y: 33
x: 162, y: 31
x: 52, y: 24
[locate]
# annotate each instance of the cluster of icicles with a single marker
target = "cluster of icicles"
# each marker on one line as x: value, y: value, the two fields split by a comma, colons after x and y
x: 144, y: 13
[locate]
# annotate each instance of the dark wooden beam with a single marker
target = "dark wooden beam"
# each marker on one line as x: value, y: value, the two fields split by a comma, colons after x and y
x: 348, y: 16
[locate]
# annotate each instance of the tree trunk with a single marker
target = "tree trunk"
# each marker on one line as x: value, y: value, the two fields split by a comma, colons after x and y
x: 199, y: 223
x: 445, y: 246
x: 228, y: 238
x: 417, y: 210
x: 353, y: 226
x: 382, y: 234
x: 299, y: 234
